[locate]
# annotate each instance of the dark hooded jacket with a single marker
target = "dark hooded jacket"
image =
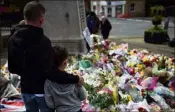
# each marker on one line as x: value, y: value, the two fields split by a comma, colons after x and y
x: 31, y: 56
x: 105, y: 28
x: 93, y: 24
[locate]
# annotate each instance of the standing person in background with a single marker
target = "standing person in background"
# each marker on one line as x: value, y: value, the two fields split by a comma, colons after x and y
x: 166, y: 26
x: 105, y: 27
x: 93, y: 23
x: 166, y: 23
x: 31, y: 56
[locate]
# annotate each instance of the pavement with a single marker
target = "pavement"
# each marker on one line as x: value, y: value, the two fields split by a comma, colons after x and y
x: 133, y: 27
x: 145, y: 19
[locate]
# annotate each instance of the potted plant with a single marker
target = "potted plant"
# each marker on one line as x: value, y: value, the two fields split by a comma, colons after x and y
x: 156, y: 34
x: 156, y: 20
x: 157, y: 12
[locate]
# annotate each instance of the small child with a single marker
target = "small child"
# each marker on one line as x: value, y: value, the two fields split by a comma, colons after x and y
x: 63, y: 97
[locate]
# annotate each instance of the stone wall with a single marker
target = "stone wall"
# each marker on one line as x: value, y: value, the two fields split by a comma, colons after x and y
x: 63, y: 24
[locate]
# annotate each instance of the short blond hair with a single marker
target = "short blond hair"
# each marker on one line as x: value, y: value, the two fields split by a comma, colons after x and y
x: 22, y: 22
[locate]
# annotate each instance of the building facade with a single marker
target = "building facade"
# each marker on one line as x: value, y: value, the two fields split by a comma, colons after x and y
x: 133, y: 8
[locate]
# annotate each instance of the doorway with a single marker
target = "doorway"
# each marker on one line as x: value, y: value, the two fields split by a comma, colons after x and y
x: 109, y: 12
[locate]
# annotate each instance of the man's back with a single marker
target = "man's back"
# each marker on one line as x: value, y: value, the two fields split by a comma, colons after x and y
x: 26, y: 52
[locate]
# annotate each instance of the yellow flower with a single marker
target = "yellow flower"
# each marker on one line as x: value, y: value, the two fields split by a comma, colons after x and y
x: 97, y: 56
x: 140, y: 66
x: 131, y: 64
x: 115, y: 95
x: 141, y: 73
x: 3, y: 68
x: 131, y: 52
x: 129, y: 98
x: 145, y: 59
x: 73, y: 60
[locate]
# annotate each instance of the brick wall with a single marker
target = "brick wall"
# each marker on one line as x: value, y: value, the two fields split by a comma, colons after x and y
x: 139, y: 8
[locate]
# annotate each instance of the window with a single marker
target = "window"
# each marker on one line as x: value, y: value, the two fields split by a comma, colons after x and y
x: 94, y: 8
x: 102, y: 8
x: 109, y: 11
x: 132, y: 7
x: 119, y: 9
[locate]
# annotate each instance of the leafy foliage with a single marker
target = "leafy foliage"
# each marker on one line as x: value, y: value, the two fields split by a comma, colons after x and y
x: 157, y: 13
x: 102, y: 100
x: 156, y: 29
x: 157, y: 10
x: 157, y: 18
x: 98, y: 100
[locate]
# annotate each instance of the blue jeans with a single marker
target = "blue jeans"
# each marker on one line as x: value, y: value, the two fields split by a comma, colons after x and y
x: 35, y: 104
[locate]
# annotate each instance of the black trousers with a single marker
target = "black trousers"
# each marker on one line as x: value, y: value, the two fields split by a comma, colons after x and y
x: 105, y: 35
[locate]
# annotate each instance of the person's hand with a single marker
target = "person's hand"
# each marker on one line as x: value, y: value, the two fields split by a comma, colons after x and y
x: 81, y: 80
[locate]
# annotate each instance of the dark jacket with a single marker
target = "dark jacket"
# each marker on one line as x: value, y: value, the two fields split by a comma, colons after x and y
x: 31, y: 56
x: 105, y: 29
x: 106, y: 26
x: 93, y: 24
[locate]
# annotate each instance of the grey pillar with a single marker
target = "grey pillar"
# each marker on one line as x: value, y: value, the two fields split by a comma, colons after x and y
x: 64, y: 23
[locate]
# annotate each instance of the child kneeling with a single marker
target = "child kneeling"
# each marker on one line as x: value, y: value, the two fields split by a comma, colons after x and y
x: 63, y: 97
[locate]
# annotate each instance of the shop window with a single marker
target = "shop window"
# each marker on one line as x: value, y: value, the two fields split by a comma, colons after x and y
x: 94, y: 8
x: 119, y: 9
x: 132, y: 7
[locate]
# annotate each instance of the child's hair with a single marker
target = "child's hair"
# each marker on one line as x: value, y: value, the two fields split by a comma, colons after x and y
x: 60, y: 55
